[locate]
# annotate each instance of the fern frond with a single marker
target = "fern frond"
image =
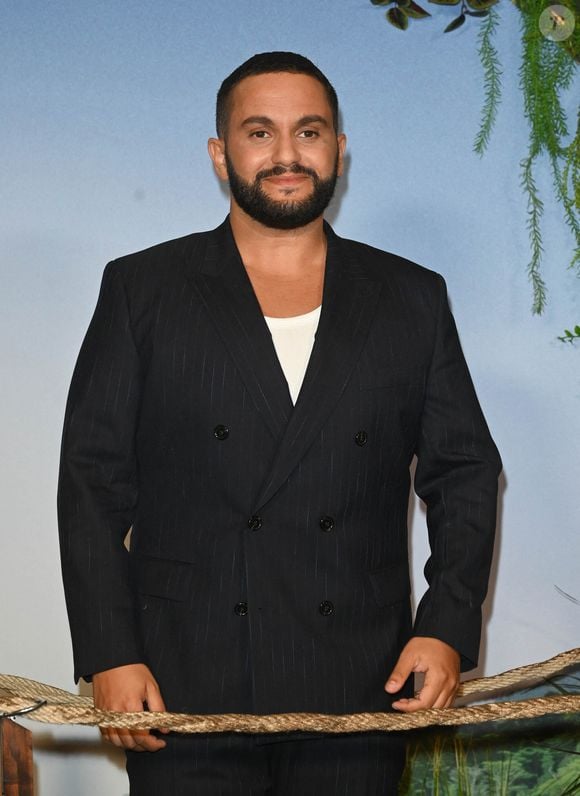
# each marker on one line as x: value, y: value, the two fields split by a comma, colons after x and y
x: 530, y: 72
x: 570, y: 213
x: 571, y: 169
x: 491, y: 80
x: 535, y: 211
x: 557, y: 77
x: 546, y: 71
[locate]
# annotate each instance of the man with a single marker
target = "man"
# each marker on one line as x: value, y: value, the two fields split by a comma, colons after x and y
x: 249, y: 401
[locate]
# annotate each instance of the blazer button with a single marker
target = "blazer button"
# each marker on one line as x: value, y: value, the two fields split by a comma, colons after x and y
x: 326, y: 608
x: 221, y: 432
x: 326, y: 524
x: 241, y: 609
x: 361, y: 438
x: 255, y: 523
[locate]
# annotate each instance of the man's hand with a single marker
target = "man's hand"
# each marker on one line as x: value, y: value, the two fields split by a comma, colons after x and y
x: 128, y: 689
x: 438, y: 661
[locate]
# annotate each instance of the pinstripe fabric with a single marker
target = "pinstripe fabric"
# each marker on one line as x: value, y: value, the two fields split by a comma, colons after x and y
x: 177, y: 350
x: 369, y: 764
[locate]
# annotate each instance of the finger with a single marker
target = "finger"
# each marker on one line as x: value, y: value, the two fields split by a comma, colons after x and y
x: 403, y: 668
x: 114, y: 738
x: 439, y: 688
x: 442, y: 701
x: 150, y: 743
x: 107, y: 734
x: 433, y: 695
x: 153, y: 697
x: 140, y: 741
x: 136, y: 741
x: 411, y: 705
x: 422, y: 699
x: 155, y: 701
x: 406, y: 700
x: 127, y: 740
x: 408, y: 705
x: 446, y: 697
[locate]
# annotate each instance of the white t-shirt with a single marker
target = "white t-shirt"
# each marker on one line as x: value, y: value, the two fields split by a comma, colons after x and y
x: 293, y: 339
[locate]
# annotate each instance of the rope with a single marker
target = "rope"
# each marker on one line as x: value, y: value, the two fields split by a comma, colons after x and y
x: 61, y: 707
x: 521, y: 677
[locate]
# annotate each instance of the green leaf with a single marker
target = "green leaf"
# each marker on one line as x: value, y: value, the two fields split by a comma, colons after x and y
x: 577, y: 330
x: 481, y: 5
x: 398, y: 18
x: 568, y: 333
x: 457, y: 23
x: 445, y: 2
x: 476, y: 13
x: 381, y: 2
x: 416, y: 12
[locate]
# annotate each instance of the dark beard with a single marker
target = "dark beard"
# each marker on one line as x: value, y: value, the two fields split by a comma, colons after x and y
x: 282, y: 215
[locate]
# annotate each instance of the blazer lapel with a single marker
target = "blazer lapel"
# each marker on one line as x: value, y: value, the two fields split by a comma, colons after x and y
x: 348, y: 305
x: 225, y: 289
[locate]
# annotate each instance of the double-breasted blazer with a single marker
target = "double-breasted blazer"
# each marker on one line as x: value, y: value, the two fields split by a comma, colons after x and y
x: 268, y: 565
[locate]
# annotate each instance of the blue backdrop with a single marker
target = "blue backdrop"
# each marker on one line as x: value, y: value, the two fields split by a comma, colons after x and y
x: 106, y: 109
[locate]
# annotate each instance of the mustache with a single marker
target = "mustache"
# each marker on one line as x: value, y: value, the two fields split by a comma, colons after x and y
x: 278, y: 171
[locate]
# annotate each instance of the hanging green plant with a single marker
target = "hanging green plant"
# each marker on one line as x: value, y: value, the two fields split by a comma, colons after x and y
x: 550, y: 50
x: 402, y: 11
x: 546, y: 72
x: 570, y: 337
x: 491, y: 80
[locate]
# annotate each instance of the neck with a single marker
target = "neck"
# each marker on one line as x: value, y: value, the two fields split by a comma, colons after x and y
x: 285, y: 252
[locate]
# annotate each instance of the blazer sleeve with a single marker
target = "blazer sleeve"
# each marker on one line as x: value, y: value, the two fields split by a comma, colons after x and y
x: 457, y: 478
x: 97, y: 491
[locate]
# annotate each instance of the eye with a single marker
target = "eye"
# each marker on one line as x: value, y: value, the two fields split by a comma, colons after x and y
x: 309, y: 134
x: 259, y: 134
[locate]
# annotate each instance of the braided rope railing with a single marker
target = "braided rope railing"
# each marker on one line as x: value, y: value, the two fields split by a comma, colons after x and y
x: 52, y: 705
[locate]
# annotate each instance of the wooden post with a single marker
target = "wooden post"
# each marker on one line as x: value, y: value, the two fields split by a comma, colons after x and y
x: 16, y: 770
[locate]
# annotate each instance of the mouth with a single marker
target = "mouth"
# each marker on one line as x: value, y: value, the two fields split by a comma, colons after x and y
x: 287, y: 181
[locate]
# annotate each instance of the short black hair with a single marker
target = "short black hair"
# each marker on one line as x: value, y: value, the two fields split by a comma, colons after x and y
x: 264, y: 63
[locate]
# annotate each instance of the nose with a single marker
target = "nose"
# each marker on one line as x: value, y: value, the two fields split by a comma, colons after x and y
x: 285, y: 152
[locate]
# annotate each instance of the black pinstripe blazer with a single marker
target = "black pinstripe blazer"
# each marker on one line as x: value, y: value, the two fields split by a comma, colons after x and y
x: 268, y: 568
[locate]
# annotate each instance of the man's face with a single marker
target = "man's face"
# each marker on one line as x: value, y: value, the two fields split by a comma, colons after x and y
x: 280, y: 154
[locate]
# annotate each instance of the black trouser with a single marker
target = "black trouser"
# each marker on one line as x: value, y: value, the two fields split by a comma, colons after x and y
x: 230, y: 764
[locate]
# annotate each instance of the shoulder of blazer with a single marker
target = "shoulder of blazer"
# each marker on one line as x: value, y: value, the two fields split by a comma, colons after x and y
x: 384, y: 265
x: 159, y: 264
x: 160, y: 260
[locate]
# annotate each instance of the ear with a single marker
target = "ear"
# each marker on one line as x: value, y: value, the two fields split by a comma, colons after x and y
x: 217, y: 153
x: 341, y: 141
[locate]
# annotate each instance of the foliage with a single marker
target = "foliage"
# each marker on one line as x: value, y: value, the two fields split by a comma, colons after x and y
x: 570, y: 337
x: 532, y: 757
x: 402, y: 11
x: 546, y: 72
x: 491, y: 80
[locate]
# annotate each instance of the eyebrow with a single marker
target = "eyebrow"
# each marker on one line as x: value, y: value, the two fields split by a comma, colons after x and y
x: 312, y: 118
